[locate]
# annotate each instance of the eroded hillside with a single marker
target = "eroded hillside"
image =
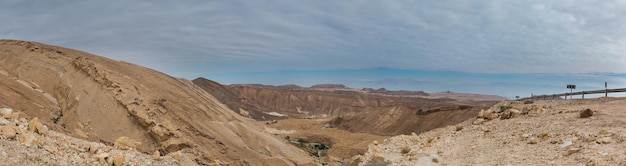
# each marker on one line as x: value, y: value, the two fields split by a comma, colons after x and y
x: 378, y: 112
x: 100, y: 99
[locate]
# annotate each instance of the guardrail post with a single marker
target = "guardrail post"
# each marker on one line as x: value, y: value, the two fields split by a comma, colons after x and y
x: 583, y: 94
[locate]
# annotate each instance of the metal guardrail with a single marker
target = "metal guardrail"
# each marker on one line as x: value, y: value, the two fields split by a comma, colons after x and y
x: 554, y: 96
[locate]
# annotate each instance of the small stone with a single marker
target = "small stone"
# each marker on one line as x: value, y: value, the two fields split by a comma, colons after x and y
x: 375, y: 142
x: 515, y: 112
x: 544, y: 134
x: 36, y: 126
x: 177, y: 156
x: 506, y: 115
x: 455, y: 128
x: 50, y: 149
x: 491, y: 115
x: 572, y: 150
x: 118, y: 161
x: 606, y: 140
x: 478, y: 121
x: 8, y: 132
x: 586, y: 113
x: 6, y: 112
x: 533, y: 140
x: 481, y: 114
x: 603, y: 132
x: 156, y: 154
x: 29, y: 139
x: 567, y: 143
x: 93, y: 149
x: 102, y: 157
x: 589, y: 138
x: 125, y: 143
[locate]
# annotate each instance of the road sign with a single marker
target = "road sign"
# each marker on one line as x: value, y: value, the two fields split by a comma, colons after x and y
x: 571, y: 86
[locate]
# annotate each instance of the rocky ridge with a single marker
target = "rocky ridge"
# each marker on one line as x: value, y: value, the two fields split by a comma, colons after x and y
x: 100, y: 100
x: 516, y: 133
x: 28, y: 142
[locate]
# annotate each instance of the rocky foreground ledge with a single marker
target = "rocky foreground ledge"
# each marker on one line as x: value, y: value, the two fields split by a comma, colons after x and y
x: 28, y: 142
x: 567, y: 132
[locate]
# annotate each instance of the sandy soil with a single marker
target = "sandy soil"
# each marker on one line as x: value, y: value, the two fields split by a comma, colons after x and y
x: 541, y: 133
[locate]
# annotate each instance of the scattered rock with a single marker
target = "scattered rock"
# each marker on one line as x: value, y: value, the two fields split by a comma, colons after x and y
x: 603, y: 132
x: 536, y: 109
x: 29, y: 139
x: 586, y: 113
x: 6, y: 112
x: 455, y: 128
x: 486, y: 129
x: 125, y: 143
x: 36, y: 126
x: 589, y: 138
x: 544, y: 134
x: 93, y: 149
x: 102, y: 157
x: 156, y: 154
x: 375, y: 142
x: 177, y: 157
x: 50, y: 149
x: 8, y: 132
x: 515, y: 112
x: 506, y: 114
x: 478, y: 121
x: 174, y: 144
x: 119, y: 160
x: 567, y: 144
x: 606, y: 140
x: 572, y: 150
x: 533, y: 140
x: 481, y: 114
x: 491, y: 115
x: 80, y: 133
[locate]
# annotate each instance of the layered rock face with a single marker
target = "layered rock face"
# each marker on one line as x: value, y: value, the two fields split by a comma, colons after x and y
x: 100, y: 99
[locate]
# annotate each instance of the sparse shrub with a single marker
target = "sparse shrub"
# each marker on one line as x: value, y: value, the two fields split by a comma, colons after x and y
x: 435, y: 160
x: 504, y: 108
x: 321, y: 153
x: 405, y: 150
x: 56, y: 119
x: 528, y: 101
x: 586, y: 113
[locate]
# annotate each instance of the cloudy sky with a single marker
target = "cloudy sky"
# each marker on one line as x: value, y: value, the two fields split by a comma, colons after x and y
x: 503, y: 47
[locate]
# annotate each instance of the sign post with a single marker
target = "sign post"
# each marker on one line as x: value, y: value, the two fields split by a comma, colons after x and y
x: 606, y: 90
x: 571, y: 88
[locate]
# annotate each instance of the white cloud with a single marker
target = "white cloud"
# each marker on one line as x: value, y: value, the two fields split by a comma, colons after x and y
x: 492, y: 36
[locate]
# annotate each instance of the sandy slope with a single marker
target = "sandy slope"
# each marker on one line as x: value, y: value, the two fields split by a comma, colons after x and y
x: 542, y: 133
x: 99, y: 99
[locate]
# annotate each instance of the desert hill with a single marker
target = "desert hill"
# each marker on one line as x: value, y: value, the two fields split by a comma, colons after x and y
x: 99, y: 99
x: 558, y: 132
